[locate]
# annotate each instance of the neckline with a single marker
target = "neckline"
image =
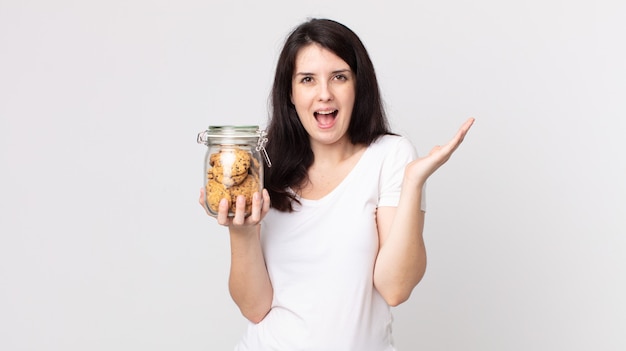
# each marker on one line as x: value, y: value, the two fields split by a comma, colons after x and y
x: 342, y: 183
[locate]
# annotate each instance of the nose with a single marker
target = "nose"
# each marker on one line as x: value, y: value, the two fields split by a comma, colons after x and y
x: 325, y: 93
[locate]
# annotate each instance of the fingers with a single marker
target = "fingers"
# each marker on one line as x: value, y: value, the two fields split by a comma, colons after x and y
x: 222, y: 212
x: 454, y: 143
x: 260, y: 207
x: 240, y: 210
x: 266, y: 201
x: 257, y: 204
x: 202, y: 197
x: 464, y: 129
x: 441, y: 154
x: 202, y: 201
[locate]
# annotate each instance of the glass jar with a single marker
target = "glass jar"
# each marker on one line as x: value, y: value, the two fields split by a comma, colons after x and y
x: 233, y: 165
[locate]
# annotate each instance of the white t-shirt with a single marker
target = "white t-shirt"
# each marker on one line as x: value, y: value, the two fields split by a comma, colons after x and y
x: 320, y: 259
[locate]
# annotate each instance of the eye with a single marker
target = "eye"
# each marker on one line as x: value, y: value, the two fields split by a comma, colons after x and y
x: 306, y: 79
x: 342, y: 76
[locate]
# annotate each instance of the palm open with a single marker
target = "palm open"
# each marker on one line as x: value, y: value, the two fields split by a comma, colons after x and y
x: 423, y: 167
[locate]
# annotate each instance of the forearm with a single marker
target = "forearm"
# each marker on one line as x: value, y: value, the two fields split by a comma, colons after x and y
x: 249, y: 282
x: 401, y: 260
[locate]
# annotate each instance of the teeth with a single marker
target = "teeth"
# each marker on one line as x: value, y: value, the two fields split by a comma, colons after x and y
x: 326, y: 112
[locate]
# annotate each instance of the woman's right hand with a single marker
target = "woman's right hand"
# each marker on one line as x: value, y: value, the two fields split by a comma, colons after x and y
x: 260, y: 207
x: 249, y: 283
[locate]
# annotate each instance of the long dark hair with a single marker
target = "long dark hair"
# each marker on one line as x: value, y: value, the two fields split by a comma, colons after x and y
x: 289, y: 147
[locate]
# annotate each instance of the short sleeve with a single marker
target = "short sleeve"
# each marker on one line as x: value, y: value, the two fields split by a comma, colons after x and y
x: 399, y: 153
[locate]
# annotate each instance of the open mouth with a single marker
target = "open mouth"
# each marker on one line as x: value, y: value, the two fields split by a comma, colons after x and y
x: 325, y: 118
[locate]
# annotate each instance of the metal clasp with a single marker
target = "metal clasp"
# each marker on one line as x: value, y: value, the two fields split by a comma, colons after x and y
x: 203, y: 137
x: 260, y: 146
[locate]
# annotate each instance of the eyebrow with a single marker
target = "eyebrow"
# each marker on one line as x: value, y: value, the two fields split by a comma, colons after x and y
x: 333, y: 72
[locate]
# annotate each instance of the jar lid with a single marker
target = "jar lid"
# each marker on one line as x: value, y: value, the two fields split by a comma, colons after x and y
x: 234, y: 129
x: 229, y: 134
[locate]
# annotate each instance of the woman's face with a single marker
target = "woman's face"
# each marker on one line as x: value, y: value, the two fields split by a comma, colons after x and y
x: 323, y: 91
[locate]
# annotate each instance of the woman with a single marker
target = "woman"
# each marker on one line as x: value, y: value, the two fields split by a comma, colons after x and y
x: 336, y: 237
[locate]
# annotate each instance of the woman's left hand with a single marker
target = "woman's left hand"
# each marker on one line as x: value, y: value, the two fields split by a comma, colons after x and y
x: 419, y: 170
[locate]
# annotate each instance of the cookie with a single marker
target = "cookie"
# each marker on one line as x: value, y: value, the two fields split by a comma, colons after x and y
x: 242, y: 162
x: 231, y: 162
x: 215, y: 193
x: 233, y: 172
x: 217, y: 174
x: 247, y: 188
x: 255, y: 167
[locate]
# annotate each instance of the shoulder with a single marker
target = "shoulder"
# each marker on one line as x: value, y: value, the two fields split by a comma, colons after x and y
x: 397, y: 144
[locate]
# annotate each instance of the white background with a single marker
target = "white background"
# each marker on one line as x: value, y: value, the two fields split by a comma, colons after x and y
x: 104, y: 247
